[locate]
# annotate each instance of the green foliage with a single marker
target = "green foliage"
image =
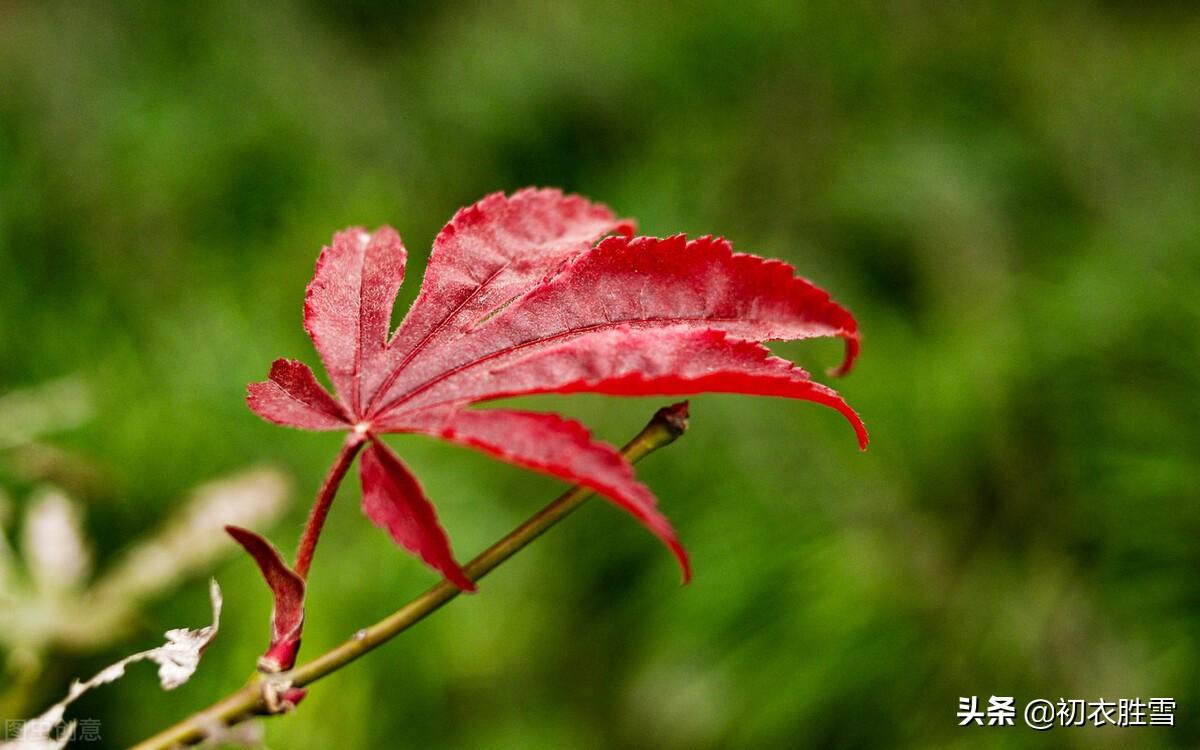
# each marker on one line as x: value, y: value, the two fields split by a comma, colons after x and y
x: 1006, y: 198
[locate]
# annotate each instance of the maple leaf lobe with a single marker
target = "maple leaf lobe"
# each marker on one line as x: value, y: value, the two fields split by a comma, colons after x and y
x: 394, y: 500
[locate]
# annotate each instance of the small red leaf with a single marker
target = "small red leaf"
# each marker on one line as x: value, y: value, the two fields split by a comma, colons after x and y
x: 292, y: 397
x: 395, y: 502
x: 287, y: 618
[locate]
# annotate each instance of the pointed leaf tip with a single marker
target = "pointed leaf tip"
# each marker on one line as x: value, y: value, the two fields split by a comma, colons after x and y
x: 853, y: 346
x: 669, y: 537
x: 292, y: 397
x: 686, y: 564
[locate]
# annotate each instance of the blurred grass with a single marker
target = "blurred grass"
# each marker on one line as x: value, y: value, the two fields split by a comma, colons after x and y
x: 1006, y: 195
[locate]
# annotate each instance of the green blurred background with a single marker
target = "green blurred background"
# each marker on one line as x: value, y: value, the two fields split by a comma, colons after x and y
x: 1006, y: 196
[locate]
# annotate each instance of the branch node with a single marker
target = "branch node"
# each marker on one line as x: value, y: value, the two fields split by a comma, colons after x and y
x: 674, y: 417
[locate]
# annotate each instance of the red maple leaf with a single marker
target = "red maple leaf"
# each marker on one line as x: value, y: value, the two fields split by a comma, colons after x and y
x: 539, y: 292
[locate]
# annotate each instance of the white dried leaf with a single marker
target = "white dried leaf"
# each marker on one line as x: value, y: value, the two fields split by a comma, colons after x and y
x: 180, y: 656
x: 177, y: 660
x: 39, y: 733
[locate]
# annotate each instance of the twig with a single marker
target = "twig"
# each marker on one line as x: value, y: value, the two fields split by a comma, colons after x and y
x: 667, y: 424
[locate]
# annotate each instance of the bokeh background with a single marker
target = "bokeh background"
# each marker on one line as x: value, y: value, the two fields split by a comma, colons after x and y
x: 1006, y: 195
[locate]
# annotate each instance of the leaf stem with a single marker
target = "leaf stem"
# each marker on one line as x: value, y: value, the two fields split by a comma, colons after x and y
x: 667, y: 424
x: 320, y: 510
